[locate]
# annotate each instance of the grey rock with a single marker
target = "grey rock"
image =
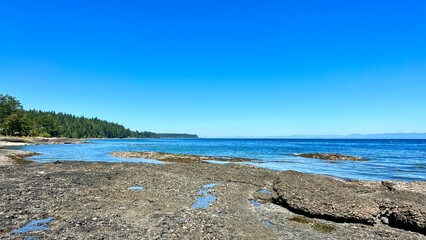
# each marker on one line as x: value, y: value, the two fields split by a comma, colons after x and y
x: 399, y: 204
x: 330, y: 156
x: 177, y: 158
x: 324, y: 197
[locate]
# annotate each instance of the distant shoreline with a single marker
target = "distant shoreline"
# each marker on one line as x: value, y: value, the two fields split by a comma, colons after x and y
x: 307, y: 138
x: 376, y: 136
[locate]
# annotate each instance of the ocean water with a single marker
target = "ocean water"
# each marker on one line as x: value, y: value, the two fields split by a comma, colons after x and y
x: 387, y: 159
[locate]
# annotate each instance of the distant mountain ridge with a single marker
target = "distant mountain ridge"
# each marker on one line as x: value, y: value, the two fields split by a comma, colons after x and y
x: 389, y: 136
x: 366, y: 136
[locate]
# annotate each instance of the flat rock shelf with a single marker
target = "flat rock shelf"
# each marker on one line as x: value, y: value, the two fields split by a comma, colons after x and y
x: 330, y: 156
x: 91, y: 200
x: 177, y: 158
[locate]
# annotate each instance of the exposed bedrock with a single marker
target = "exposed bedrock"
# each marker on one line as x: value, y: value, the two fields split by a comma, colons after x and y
x: 398, y: 204
x: 330, y: 156
x: 177, y: 158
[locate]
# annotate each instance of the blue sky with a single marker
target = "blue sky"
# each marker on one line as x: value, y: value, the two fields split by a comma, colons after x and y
x: 221, y: 68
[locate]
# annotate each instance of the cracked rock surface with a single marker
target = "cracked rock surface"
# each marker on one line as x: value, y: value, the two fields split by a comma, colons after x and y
x: 91, y: 200
x: 398, y: 204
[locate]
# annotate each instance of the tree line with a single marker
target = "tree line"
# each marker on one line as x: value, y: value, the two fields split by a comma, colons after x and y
x: 15, y: 121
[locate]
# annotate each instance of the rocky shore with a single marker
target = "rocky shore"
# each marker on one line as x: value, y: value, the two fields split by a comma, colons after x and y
x: 93, y: 200
x: 177, y: 158
x: 18, y: 141
x: 10, y: 157
x: 397, y: 204
x: 330, y: 156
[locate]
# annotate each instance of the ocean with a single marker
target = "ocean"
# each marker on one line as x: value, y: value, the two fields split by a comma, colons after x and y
x: 386, y: 159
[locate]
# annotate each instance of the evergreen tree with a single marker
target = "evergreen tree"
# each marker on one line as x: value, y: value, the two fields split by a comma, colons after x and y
x: 11, y: 115
x: 14, y: 120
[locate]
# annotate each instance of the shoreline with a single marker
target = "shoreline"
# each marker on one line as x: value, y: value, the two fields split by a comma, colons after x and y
x: 10, y: 156
x: 177, y: 158
x: 19, y: 141
x: 93, y: 200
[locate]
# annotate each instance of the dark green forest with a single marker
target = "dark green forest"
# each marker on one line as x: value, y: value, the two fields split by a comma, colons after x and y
x: 15, y: 121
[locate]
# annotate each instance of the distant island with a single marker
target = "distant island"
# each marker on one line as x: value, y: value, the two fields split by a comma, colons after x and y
x: 175, y: 135
x: 15, y: 121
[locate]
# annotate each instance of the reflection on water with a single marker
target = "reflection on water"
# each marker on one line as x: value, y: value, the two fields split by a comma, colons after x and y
x: 136, y: 188
x: 205, y: 199
x: 267, y: 223
x: 420, y: 166
x: 31, y: 238
x: 217, y: 162
x: 264, y: 191
x: 34, y: 225
x: 255, y: 203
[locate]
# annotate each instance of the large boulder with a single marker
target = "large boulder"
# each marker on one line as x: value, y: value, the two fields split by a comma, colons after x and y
x: 367, y: 202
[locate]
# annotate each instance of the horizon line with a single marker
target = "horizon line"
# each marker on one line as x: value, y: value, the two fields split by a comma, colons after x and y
x: 332, y: 136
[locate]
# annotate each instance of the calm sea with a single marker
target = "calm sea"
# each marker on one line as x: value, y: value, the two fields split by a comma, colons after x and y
x: 387, y: 159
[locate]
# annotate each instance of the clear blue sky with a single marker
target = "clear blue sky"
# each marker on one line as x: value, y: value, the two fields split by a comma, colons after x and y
x: 221, y: 68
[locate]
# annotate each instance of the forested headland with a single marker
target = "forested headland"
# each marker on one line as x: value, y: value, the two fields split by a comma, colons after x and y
x: 16, y: 121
